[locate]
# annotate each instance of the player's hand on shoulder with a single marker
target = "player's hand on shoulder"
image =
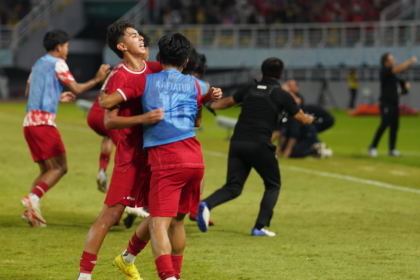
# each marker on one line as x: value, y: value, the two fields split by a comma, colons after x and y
x: 103, y: 71
x: 153, y: 116
x: 67, y: 97
x: 216, y: 94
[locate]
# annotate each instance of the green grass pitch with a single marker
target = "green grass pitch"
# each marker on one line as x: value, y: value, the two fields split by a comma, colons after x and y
x: 327, y: 227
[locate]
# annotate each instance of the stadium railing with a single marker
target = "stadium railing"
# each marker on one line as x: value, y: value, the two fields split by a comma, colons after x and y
x: 6, y: 36
x: 401, y: 10
x: 138, y: 14
x: 38, y: 18
x: 245, y: 76
x: 288, y: 36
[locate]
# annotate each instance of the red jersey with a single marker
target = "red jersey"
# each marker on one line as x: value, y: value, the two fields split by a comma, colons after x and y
x: 181, y: 154
x: 129, y: 147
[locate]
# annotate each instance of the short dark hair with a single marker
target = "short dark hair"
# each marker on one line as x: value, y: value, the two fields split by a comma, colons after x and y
x: 54, y: 38
x: 115, y: 34
x: 384, y: 58
x: 174, y: 50
x: 146, y: 39
x: 272, y: 67
x: 196, y: 62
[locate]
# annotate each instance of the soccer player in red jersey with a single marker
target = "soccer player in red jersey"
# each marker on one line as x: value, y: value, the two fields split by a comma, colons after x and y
x: 111, y: 137
x: 131, y: 175
x: 44, y: 92
x: 175, y: 155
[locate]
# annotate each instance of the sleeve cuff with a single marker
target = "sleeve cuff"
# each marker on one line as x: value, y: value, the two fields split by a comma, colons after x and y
x: 122, y: 94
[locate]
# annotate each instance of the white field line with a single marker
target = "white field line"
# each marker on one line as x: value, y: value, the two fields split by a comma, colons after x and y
x: 294, y: 168
x: 333, y: 175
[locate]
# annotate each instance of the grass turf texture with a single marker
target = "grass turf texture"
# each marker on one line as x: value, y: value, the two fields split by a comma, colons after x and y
x: 326, y: 228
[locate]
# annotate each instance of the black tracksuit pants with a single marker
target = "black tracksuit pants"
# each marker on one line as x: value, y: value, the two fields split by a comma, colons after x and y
x: 390, y: 116
x: 243, y: 156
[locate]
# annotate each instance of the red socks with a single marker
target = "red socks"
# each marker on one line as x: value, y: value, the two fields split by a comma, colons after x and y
x: 177, y: 263
x: 87, y: 263
x: 40, y: 189
x: 136, y: 245
x: 164, y: 267
x: 104, y: 160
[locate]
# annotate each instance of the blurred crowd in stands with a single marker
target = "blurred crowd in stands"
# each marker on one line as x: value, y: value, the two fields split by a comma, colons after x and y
x: 12, y: 11
x: 175, y: 12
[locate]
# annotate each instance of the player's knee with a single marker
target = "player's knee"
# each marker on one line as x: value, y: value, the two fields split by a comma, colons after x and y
x: 109, y: 218
x: 178, y: 221
x: 235, y: 191
x: 63, y: 169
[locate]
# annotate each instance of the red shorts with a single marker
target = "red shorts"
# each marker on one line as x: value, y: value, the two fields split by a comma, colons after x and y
x: 95, y: 120
x: 174, y: 191
x: 44, y: 141
x: 131, y: 187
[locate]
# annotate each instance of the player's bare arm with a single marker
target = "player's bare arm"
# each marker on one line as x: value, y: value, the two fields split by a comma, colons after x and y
x: 224, y: 103
x: 27, y: 90
x: 199, y: 117
x: 108, y: 101
x: 289, y: 148
x: 113, y: 121
x: 403, y: 66
x: 303, y: 118
x: 214, y: 94
x: 78, y: 88
x: 67, y: 97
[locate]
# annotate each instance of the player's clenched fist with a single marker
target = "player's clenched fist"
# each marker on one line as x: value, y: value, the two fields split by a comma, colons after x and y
x: 102, y: 72
x: 153, y: 116
x: 216, y: 94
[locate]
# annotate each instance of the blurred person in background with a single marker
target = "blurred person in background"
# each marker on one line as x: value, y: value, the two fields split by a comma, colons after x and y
x: 353, y: 86
x: 296, y: 140
x: 389, y: 102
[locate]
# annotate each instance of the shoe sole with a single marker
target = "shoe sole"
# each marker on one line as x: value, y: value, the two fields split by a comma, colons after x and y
x: 28, y: 205
x: 32, y: 222
x: 203, y: 213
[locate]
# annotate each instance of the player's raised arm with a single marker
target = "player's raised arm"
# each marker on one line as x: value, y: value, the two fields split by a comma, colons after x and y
x: 403, y: 66
x: 78, y: 88
x: 214, y: 94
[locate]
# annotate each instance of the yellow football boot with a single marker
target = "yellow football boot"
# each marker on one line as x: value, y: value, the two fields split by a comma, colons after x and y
x: 129, y: 270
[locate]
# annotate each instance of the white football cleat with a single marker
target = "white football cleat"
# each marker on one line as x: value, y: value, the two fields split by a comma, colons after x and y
x: 33, y: 208
x: 372, y: 152
x: 33, y: 222
x: 138, y: 211
x: 328, y: 153
x: 101, y: 180
x: 262, y: 232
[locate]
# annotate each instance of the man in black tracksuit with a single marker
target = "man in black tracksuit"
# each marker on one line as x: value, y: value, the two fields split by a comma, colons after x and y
x: 389, y: 102
x: 250, y: 147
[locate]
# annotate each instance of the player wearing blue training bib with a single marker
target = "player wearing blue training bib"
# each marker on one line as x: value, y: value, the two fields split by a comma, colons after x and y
x: 174, y: 154
x: 44, y: 91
